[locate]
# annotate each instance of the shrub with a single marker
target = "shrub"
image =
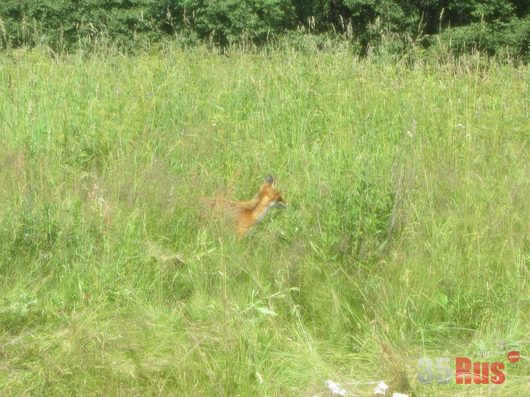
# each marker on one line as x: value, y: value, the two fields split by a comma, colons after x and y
x: 512, y: 37
x: 391, y: 25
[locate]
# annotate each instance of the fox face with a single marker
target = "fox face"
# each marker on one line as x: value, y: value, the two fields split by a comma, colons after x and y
x: 273, y: 196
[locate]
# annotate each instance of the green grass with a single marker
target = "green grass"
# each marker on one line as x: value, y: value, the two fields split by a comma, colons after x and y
x: 407, y: 232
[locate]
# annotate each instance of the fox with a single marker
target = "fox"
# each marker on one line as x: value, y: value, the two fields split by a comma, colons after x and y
x: 247, y: 214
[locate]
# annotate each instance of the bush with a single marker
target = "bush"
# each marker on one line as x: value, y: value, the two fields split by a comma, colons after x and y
x: 225, y: 21
x: 63, y: 23
x: 391, y: 25
x: 510, y: 37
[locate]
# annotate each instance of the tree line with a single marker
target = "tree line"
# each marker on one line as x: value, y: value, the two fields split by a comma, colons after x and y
x: 466, y: 25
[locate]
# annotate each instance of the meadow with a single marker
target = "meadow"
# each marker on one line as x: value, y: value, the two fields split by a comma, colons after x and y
x: 407, y: 233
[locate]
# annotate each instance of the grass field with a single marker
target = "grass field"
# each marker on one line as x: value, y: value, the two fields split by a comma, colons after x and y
x: 407, y: 232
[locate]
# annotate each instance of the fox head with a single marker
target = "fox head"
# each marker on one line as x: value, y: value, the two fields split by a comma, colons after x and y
x: 269, y: 192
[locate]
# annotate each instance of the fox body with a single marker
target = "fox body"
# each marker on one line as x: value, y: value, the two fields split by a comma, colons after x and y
x: 248, y: 213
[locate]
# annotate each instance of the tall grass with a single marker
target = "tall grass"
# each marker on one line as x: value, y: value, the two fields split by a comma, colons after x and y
x: 407, y: 233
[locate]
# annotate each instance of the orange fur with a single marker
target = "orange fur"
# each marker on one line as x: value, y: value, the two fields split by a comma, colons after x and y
x: 248, y: 213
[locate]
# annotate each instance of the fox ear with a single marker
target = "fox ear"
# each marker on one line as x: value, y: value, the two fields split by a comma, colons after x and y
x: 269, y: 179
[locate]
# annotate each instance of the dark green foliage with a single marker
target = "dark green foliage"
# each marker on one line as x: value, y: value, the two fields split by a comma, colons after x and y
x: 487, y: 25
x: 513, y: 34
x: 225, y: 21
x: 63, y: 23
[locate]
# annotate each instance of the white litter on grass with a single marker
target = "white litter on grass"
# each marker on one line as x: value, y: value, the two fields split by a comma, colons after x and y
x: 335, y: 388
x: 400, y: 395
x: 381, y: 388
